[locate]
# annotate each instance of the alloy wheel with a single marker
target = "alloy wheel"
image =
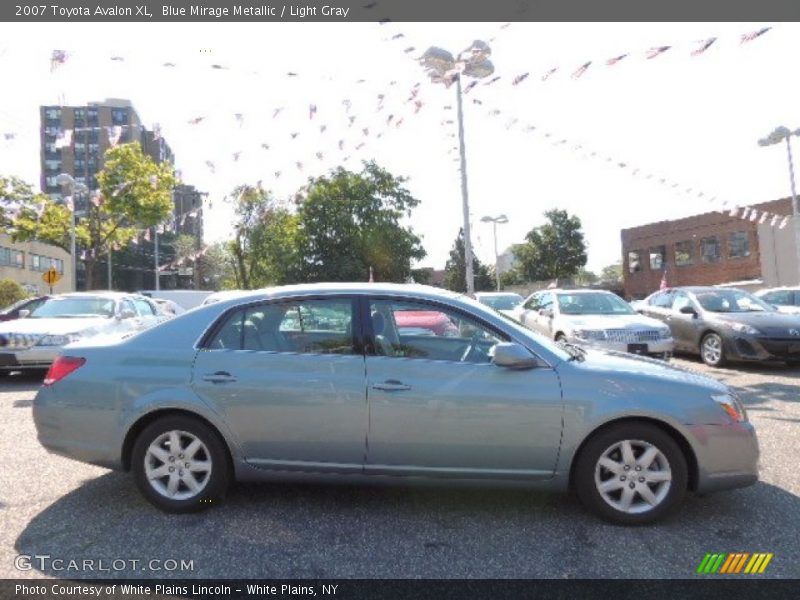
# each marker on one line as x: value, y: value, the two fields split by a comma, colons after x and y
x: 712, y: 349
x: 177, y: 465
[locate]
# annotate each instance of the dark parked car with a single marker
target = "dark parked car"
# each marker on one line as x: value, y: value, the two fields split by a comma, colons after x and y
x: 722, y: 324
x: 11, y: 312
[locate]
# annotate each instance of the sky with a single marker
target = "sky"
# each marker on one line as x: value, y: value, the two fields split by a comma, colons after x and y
x: 691, y: 120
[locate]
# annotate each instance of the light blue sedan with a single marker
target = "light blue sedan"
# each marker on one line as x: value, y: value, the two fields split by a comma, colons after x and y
x: 316, y: 382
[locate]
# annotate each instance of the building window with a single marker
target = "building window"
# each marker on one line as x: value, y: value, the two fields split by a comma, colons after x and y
x: 53, y: 113
x: 658, y: 255
x: 634, y: 261
x: 709, y: 249
x: 34, y: 262
x: 684, y: 253
x: 94, y: 149
x: 119, y: 116
x: 738, y: 244
x: 19, y: 259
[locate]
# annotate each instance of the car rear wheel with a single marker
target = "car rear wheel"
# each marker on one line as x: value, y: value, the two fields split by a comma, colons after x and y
x: 631, y: 474
x: 180, y: 464
x: 712, y: 350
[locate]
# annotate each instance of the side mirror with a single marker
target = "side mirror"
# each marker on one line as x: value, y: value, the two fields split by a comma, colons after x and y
x: 23, y: 313
x: 514, y: 356
x: 546, y: 312
x: 688, y: 310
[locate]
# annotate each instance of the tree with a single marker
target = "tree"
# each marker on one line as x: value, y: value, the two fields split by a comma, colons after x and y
x: 553, y: 250
x: 134, y: 195
x: 11, y: 292
x: 585, y: 277
x: 349, y: 222
x: 217, y: 268
x: 612, y: 273
x: 455, y: 277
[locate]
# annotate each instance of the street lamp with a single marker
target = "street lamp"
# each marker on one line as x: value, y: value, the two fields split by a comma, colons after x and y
x: 66, y: 180
x: 501, y: 220
x: 443, y: 68
x: 776, y: 137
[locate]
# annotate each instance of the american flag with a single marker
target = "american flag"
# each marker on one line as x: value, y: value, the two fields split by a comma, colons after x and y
x: 657, y: 51
x: 704, y: 45
x: 581, y: 70
x: 615, y: 60
x: 749, y: 37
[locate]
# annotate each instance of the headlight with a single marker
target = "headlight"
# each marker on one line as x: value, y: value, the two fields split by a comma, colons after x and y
x: 590, y: 334
x: 58, y: 340
x: 731, y: 405
x: 744, y: 328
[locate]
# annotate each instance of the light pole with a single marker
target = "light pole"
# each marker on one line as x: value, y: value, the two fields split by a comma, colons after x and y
x: 776, y: 137
x: 66, y: 180
x: 443, y: 68
x: 501, y: 220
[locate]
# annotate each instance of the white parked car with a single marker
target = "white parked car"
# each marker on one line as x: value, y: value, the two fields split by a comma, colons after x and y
x: 785, y: 299
x: 595, y: 318
x: 505, y: 302
x: 35, y: 341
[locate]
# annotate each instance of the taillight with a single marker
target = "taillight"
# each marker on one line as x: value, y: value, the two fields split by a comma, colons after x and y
x: 61, y: 367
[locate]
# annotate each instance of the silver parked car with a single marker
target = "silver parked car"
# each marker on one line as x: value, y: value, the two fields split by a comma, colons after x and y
x: 785, y: 299
x: 316, y: 382
x: 595, y: 318
x: 505, y: 302
x: 35, y: 341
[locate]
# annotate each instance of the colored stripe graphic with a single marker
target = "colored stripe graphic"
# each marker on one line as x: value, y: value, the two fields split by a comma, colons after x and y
x: 733, y: 562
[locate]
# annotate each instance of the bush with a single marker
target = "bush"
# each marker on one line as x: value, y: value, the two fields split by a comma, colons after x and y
x: 10, y: 292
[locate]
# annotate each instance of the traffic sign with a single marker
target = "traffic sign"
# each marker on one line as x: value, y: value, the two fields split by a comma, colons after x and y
x: 51, y: 277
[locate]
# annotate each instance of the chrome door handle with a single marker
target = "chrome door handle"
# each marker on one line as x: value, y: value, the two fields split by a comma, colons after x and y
x: 391, y: 385
x: 219, y: 377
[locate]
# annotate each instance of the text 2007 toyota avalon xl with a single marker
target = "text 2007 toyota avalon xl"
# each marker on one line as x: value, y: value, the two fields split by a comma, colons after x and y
x: 318, y: 382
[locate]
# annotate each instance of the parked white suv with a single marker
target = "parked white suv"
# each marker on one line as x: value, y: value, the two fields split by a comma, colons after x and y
x: 596, y: 318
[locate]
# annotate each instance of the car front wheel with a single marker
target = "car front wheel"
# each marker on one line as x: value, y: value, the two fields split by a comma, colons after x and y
x: 712, y: 350
x: 631, y: 474
x: 180, y: 464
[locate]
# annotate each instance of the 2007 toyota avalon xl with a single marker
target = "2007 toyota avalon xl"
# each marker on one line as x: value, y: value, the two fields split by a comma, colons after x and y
x: 318, y: 382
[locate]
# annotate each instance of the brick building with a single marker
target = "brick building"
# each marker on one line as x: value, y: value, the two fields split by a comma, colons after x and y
x: 709, y: 249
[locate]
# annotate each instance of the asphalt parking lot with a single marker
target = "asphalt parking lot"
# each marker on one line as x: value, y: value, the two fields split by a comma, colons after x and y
x: 70, y: 511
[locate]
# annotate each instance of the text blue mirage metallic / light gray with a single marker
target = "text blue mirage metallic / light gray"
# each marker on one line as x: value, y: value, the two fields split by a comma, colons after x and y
x: 317, y: 382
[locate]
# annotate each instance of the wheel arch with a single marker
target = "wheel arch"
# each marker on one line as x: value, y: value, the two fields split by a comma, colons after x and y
x: 153, y: 416
x: 677, y: 436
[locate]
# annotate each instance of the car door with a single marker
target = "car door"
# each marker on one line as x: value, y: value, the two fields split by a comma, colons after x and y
x: 438, y: 405
x: 685, y: 327
x: 658, y: 306
x: 545, y: 314
x: 147, y: 313
x: 288, y: 377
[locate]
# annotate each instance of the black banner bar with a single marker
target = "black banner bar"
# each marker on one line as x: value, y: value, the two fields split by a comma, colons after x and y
x: 337, y: 11
x: 743, y: 587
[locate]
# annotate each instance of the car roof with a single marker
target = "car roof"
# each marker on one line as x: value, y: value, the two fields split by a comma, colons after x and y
x: 484, y: 294
x: 578, y: 291
x: 347, y: 288
x: 97, y: 294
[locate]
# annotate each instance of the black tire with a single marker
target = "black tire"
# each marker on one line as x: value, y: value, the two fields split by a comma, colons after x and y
x: 703, y: 355
x: 587, y: 461
x: 216, y: 484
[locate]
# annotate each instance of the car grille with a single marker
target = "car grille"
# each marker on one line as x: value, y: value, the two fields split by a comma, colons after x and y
x: 627, y: 336
x: 18, y: 341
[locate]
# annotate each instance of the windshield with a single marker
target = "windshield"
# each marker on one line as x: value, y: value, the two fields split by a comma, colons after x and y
x: 593, y: 304
x: 504, y: 302
x: 731, y: 301
x: 65, y: 308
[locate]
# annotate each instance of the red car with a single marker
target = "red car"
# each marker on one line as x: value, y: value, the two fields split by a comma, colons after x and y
x: 10, y: 313
x: 424, y: 322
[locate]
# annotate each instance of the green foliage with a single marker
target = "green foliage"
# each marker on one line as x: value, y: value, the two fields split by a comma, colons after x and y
x: 585, y: 277
x: 455, y: 277
x: 11, y: 292
x: 344, y: 223
x: 612, y: 273
x: 216, y: 268
x: 422, y: 275
x: 553, y: 250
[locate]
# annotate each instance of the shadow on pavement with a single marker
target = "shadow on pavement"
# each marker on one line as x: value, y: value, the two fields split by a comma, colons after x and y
x: 299, y: 531
x: 22, y: 381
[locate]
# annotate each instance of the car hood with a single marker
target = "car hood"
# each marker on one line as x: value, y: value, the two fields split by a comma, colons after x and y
x: 53, y: 326
x: 633, y: 322
x: 616, y: 364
